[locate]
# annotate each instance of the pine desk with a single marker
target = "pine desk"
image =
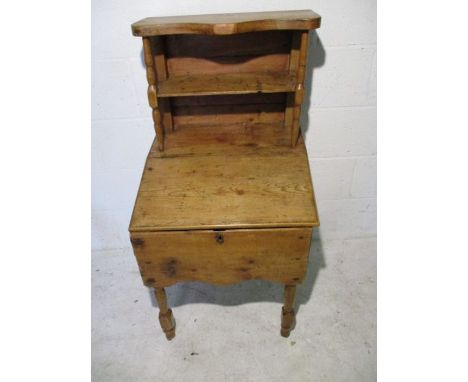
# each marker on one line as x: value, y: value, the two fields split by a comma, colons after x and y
x: 226, y: 193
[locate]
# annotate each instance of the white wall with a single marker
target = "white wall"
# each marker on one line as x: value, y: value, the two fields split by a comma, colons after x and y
x: 341, y: 131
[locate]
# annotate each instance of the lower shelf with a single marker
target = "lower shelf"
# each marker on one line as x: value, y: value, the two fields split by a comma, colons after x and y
x: 229, y: 139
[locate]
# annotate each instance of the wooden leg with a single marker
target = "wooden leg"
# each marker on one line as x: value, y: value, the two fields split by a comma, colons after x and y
x: 287, y: 318
x: 165, y: 314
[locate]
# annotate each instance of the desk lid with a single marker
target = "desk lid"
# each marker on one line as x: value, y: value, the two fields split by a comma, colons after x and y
x: 237, y: 184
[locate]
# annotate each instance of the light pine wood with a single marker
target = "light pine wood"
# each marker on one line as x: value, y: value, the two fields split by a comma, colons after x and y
x: 222, y: 257
x: 219, y: 115
x: 236, y: 83
x: 152, y: 92
x: 243, y: 186
x: 194, y: 66
x: 258, y: 139
x: 166, y: 318
x: 225, y: 24
x: 287, y: 313
x: 159, y: 59
x: 226, y: 193
x: 299, y: 93
x: 293, y: 67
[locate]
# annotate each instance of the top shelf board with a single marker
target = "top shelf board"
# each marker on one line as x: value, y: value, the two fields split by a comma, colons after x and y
x: 227, y: 23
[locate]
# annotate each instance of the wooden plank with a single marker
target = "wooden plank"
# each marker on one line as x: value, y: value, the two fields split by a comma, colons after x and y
x: 158, y: 49
x: 278, y: 255
x: 299, y: 92
x: 243, y: 83
x: 225, y: 24
x: 231, y: 99
x: 179, y: 66
x: 249, y: 188
x: 293, y: 67
x: 295, y: 51
x: 206, y: 139
x: 245, y: 44
x: 159, y: 57
x: 228, y: 114
x: 244, y: 53
x: 152, y: 91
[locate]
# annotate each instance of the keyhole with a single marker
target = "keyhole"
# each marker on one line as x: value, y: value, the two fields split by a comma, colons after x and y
x: 219, y: 238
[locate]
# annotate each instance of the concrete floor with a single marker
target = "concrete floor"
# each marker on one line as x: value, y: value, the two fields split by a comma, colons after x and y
x: 232, y: 333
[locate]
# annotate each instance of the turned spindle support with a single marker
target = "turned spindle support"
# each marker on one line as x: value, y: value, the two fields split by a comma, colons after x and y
x: 287, y: 316
x: 152, y: 92
x: 299, y: 92
x: 165, y: 314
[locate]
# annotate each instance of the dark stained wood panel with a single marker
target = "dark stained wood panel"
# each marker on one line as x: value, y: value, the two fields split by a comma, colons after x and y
x: 244, y: 44
x: 240, y: 53
x: 243, y: 99
x: 245, y: 109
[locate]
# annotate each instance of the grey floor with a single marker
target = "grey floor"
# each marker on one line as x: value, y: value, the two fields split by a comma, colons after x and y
x: 232, y: 333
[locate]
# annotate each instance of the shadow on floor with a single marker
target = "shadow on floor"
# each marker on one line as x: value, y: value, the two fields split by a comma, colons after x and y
x: 185, y: 293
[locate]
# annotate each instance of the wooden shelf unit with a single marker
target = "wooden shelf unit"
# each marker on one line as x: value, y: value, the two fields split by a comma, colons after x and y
x: 225, y: 56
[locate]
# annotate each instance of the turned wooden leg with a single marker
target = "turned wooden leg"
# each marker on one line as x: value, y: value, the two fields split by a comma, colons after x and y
x: 165, y: 314
x: 287, y: 318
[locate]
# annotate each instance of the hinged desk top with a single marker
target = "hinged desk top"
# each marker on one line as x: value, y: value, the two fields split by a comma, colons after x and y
x: 221, y: 24
x: 225, y: 180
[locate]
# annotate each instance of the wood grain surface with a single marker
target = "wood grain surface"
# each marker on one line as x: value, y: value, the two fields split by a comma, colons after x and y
x: 244, y: 44
x: 225, y: 24
x: 226, y: 193
x: 222, y: 257
x: 241, y: 185
x: 239, y: 53
x: 234, y: 83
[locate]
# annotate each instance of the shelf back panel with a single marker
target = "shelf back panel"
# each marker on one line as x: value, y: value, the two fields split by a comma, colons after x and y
x: 240, y: 53
x: 206, y: 56
x: 246, y: 109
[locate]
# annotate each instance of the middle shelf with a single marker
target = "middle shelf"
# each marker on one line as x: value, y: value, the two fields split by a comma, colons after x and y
x: 235, y: 83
